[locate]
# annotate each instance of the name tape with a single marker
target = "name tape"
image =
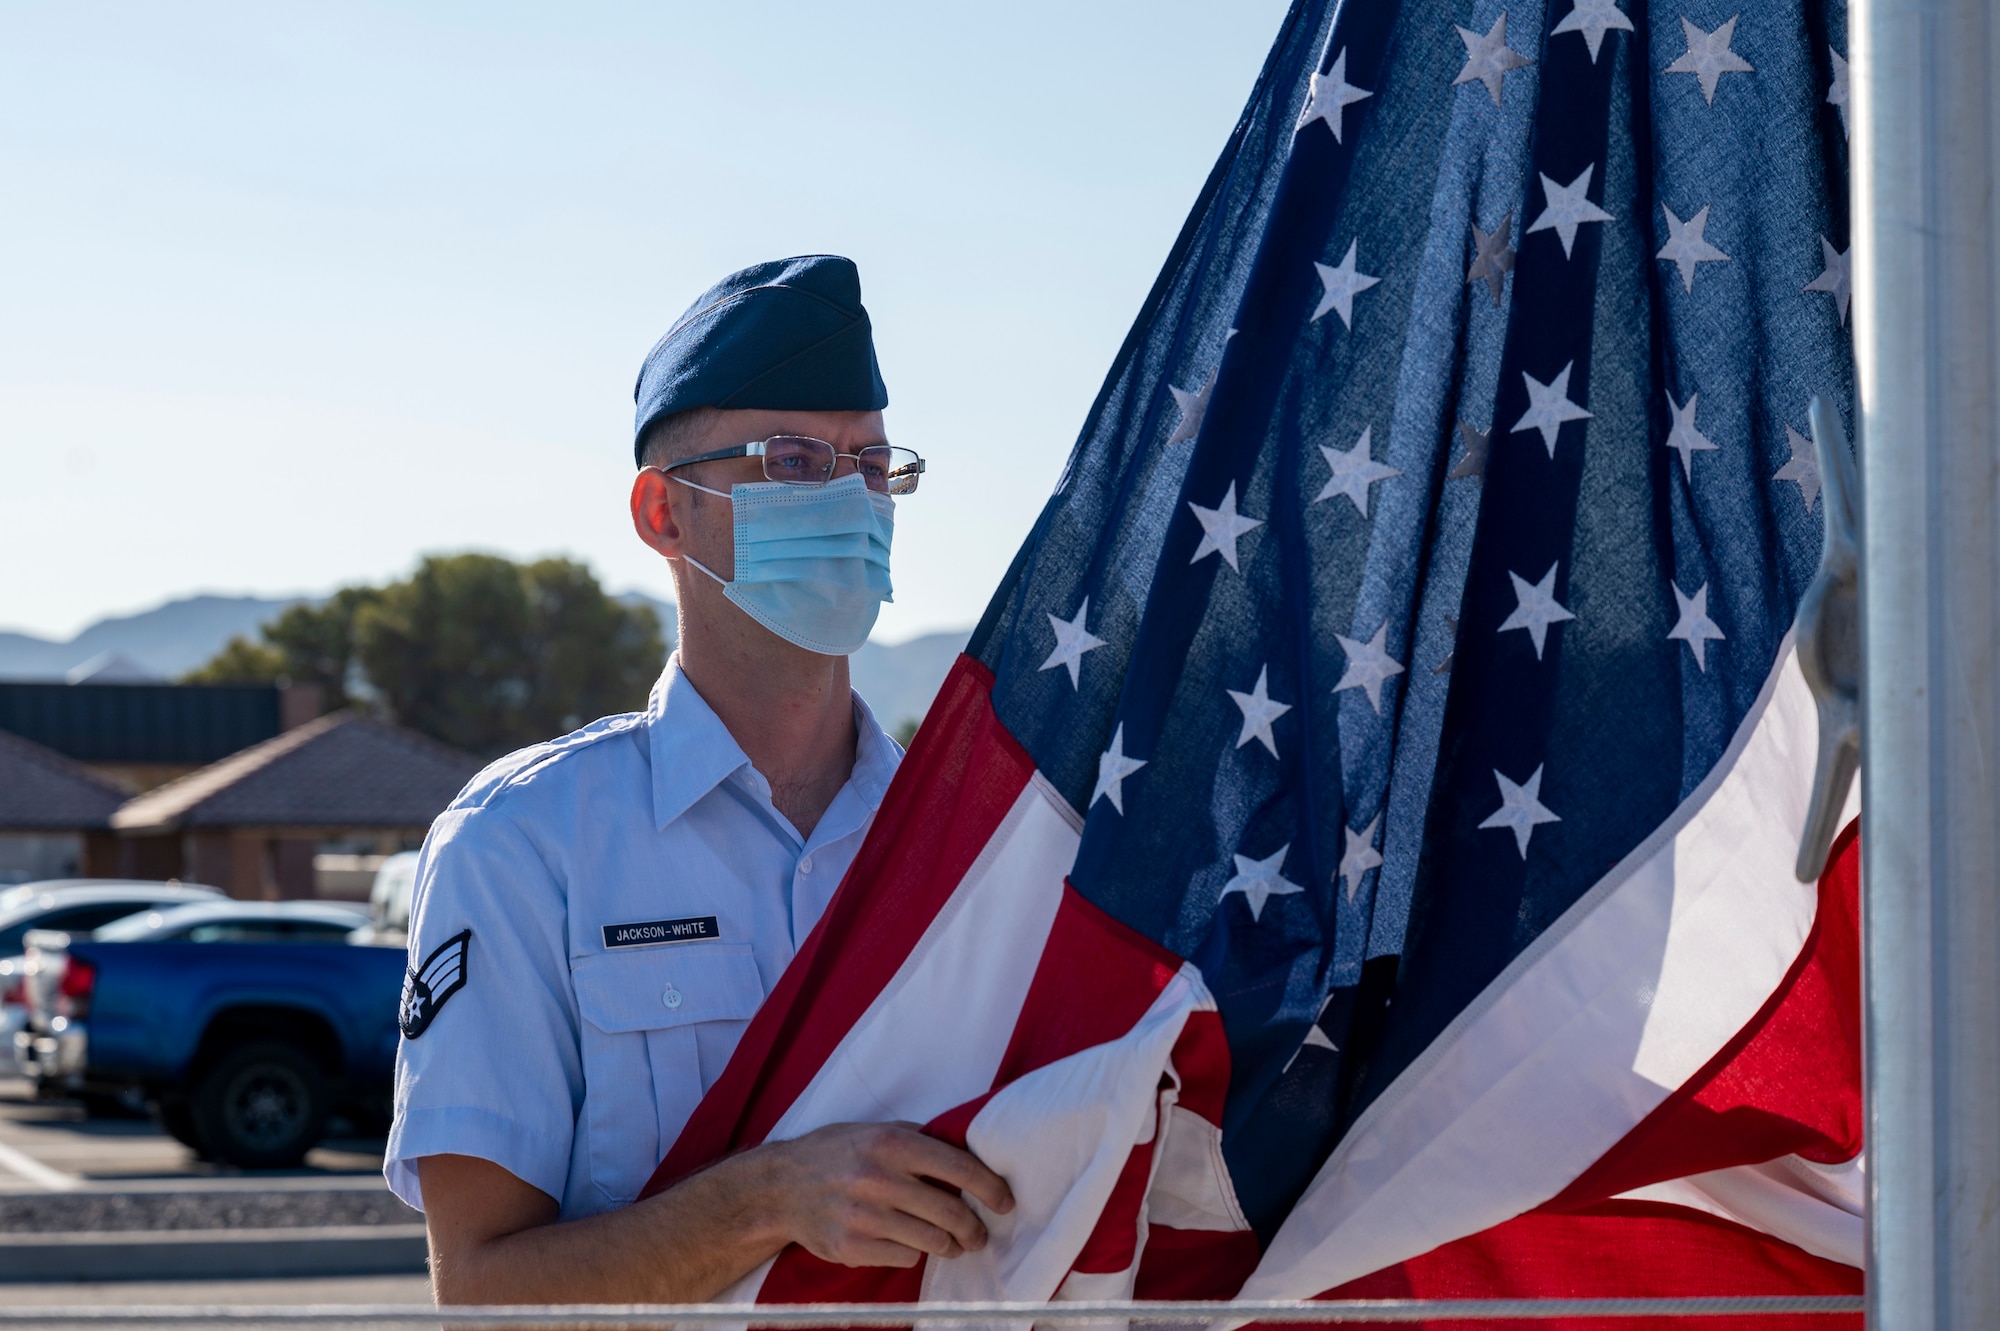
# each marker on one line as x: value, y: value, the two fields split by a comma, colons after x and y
x: 693, y: 929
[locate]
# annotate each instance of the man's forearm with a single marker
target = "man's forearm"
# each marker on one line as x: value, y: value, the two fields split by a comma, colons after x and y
x: 857, y: 1194
x: 685, y: 1245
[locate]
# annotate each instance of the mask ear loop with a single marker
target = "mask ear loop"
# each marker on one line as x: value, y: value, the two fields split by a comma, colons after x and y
x: 720, y: 581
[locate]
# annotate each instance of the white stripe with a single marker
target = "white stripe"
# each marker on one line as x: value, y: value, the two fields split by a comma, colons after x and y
x: 37, y: 1173
x: 1191, y: 1185
x: 935, y: 1035
x: 1638, y: 986
x: 1814, y: 1207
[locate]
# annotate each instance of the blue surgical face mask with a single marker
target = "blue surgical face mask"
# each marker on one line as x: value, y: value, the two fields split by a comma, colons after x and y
x: 812, y: 561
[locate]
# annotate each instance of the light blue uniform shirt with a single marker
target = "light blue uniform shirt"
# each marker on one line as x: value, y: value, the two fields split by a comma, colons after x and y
x: 568, y: 1061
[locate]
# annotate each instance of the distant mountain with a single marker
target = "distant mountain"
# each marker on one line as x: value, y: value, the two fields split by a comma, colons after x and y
x: 166, y: 641
x: 898, y: 681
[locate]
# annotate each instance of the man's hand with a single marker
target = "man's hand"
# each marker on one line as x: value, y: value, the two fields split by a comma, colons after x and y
x: 882, y: 1194
x: 860, y: 1194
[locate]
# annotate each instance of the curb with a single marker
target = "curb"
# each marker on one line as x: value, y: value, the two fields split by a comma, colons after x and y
x: 214, y: 1254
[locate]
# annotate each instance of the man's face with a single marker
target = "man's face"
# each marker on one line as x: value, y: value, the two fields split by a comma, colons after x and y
x: 705, y: 523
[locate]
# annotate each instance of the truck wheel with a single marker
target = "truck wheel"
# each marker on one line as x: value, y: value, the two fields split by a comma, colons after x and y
x: 262, y: 1105
x: 177, y: 1120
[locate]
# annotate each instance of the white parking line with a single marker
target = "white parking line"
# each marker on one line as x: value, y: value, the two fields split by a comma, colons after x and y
x: 33, y: 1170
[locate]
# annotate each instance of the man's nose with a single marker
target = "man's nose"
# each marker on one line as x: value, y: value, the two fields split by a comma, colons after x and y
x: 845, y: 464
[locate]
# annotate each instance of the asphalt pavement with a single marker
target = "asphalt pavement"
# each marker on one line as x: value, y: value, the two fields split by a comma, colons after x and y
x: 53, y: 1146
x: 97, y: 1209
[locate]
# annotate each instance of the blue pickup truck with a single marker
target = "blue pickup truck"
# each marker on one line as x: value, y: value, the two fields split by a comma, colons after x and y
x: 246, y: 1024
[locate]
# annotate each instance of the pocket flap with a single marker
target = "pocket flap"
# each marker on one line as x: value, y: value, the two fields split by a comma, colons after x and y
x: 667, y: 986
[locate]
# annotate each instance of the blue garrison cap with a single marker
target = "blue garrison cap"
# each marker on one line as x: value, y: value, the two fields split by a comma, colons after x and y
x: 790, y: 335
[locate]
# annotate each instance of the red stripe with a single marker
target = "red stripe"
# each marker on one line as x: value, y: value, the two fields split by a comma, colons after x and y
x: 1114, y: 1239
x: 1195, y: 1263
x: 799, y: 1277
x: 1096, y: 979
x: 1616, y: 1250
x: 954, y: 1124
x: 1201, y: 1057
x: 954, y: 788
x: 1788, y: 1084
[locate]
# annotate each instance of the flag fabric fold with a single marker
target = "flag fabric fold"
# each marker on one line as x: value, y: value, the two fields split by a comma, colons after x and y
x: 1354, y: 852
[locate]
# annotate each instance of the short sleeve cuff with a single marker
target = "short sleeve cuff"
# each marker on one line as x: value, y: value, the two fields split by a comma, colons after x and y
x: 533, y: 1157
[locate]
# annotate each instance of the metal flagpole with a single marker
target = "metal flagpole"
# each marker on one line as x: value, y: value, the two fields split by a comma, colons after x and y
x: 1925, y: 119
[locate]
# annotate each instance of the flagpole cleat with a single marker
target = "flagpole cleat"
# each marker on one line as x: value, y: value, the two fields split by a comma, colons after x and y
x: 1828, y: 634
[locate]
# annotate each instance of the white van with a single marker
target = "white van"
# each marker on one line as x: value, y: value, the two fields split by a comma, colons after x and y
x: 389, y: 898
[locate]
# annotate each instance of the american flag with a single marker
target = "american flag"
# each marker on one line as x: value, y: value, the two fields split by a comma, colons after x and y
x: 1354, y: 851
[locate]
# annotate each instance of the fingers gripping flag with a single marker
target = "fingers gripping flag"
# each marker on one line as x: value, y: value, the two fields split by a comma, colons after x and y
x: 1356, y: 845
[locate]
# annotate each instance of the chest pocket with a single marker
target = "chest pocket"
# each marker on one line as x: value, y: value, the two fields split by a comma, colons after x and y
x: 658, y: 1026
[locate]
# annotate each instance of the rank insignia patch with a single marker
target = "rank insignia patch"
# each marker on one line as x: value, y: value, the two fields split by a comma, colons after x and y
x: 427, y: 987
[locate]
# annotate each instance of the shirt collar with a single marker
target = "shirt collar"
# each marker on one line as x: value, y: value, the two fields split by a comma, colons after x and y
x: 875, y: 757
x: 693, y: 752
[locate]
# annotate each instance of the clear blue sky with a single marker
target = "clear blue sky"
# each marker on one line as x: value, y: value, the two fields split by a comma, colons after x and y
x: 292, y: 294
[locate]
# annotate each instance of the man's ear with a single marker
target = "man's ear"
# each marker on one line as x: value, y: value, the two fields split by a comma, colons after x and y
x: 659, y: 512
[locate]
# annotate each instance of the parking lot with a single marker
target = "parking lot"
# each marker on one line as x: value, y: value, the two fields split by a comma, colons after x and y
x: 97, y: 1209
x: 52, y: 1146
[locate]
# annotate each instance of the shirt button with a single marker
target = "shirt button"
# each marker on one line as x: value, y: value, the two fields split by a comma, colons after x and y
x: 806, y: 864
x: 672, y: 997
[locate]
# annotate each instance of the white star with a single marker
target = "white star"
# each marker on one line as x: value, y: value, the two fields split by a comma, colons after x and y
x: 1477, y: 441
x: 1521, y: 809
x: 1341, y: 285
x: 1493, y: 256
x: 1353, y: 472
x: 1316, y: 1037
x: 1194, y: 405
x: 1488, y: 58
x: 1802, y: 467
x: 1708, y: 56
x: 1549, y: 406
x: 1368, y: 664
x: 1359, y: 856
x: 1695, y: 628
x: 1686, y: 245
x: 1112, y: 769
x: 1072, y: 641
x: 1837, y: 94
x: 1259, y: 712
x: 1451, y: 626
x: 1593, y: 18
x: 1535, y: 607
x: 1259, y: 881
x: 1834, y: 277
x: 1328, y: 94
x: 1220, y: 526
x: 1568, y: 208
x: 1684, y: 438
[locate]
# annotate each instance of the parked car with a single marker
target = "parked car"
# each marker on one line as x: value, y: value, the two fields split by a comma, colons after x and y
x: 245, y: 1024
x: 389, y: 899
x: 78, y: 905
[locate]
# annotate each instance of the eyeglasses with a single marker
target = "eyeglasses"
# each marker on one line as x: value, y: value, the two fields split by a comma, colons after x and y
x: 798, y: 459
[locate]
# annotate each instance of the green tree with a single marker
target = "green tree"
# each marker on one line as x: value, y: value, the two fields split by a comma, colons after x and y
x: 240, y: 661
x: 317, y: 642
x: 488, y: 655
x: 306, y: 644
